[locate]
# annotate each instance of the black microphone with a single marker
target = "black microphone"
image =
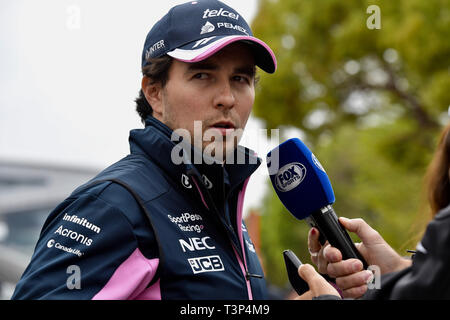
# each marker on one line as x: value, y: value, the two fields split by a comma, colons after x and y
x: 305, y: 190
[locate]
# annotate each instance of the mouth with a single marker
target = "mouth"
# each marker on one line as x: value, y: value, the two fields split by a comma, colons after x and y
x: 224, y: 124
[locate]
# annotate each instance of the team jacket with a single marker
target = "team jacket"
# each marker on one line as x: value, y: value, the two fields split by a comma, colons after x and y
x: 147, y: 228
x: 429, y: 275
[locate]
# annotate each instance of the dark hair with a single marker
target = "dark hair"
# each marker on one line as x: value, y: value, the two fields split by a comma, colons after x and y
x: 158, y: 71
x: 437, y: 177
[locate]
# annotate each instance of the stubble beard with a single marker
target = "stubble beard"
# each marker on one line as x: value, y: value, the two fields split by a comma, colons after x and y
x: 205, y: 140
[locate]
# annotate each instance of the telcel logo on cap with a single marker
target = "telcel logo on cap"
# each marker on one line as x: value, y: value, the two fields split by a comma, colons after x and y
x: 219, y: 13
x: 290, y: 176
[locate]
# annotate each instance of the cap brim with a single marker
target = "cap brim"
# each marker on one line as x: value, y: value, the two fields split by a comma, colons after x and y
x: 264, y: 56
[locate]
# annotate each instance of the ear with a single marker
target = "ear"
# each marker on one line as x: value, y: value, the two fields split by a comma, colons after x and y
x: 153, y: 94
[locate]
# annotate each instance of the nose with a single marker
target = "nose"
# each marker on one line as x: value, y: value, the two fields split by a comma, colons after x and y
x: 225, y: 96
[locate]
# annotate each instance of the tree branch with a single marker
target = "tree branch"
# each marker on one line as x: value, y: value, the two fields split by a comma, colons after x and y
x: 419, y: 112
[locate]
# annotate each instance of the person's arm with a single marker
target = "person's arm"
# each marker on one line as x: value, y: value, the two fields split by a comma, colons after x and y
x: 87, y: 251
x: 428, y: 276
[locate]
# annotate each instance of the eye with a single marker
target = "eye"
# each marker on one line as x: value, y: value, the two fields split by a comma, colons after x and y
x: 200, y: 76
x: 242, y: 79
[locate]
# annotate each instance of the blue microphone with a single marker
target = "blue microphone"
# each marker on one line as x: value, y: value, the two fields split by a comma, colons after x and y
x: 305, y: 190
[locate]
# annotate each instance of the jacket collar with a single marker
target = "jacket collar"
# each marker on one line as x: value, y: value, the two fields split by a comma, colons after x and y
x: 154, y: 141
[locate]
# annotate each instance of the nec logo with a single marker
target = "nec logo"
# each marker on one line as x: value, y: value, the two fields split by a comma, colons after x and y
x: 290, y: 176
x: 206, y: 264
x: 195, y: 244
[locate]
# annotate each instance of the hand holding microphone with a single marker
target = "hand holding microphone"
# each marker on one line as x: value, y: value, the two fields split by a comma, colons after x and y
x: 303, y: 187
x: 350, y: 276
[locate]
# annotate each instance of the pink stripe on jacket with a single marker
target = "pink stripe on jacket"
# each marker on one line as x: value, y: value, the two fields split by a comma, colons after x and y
x: 130, y: 279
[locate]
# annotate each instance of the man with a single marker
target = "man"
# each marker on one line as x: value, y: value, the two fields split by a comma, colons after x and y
x: 150, y: 227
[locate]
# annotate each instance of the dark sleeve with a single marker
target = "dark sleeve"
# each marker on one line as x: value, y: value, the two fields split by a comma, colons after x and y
x: 83, y: 252
x: 429, y: 275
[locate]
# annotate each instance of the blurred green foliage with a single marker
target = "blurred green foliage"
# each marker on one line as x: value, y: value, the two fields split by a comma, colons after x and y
x: 370, y: 102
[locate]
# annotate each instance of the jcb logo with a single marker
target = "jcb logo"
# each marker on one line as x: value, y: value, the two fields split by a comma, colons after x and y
x: 206, y: 264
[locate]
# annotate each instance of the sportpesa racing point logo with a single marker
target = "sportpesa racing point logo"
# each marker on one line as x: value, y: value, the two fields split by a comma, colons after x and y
x: 290, y: 176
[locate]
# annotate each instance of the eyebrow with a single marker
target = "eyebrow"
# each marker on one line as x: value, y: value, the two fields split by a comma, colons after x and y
x: 247, y: 70
x: 202, y: 66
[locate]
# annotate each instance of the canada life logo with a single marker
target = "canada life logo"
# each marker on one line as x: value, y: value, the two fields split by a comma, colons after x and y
x: 290, y: 176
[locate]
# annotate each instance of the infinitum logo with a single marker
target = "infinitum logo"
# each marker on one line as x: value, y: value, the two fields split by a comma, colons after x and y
x: 82, y: 222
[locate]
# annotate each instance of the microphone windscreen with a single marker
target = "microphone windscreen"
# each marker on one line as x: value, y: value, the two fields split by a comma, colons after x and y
x: 299, y: 179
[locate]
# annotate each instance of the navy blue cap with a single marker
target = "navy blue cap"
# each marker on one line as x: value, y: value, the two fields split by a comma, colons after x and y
x: 196, y: 30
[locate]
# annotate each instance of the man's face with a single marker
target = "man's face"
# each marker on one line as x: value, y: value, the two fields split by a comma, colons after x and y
x: 216, y: 94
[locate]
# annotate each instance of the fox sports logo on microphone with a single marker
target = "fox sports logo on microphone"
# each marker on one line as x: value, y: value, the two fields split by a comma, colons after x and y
x: 290, y: 176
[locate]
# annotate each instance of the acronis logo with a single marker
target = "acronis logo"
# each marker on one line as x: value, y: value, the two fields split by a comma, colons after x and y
x: 290, y: 176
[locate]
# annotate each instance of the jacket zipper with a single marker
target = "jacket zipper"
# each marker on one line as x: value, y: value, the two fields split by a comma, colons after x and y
x: 229, y: 229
